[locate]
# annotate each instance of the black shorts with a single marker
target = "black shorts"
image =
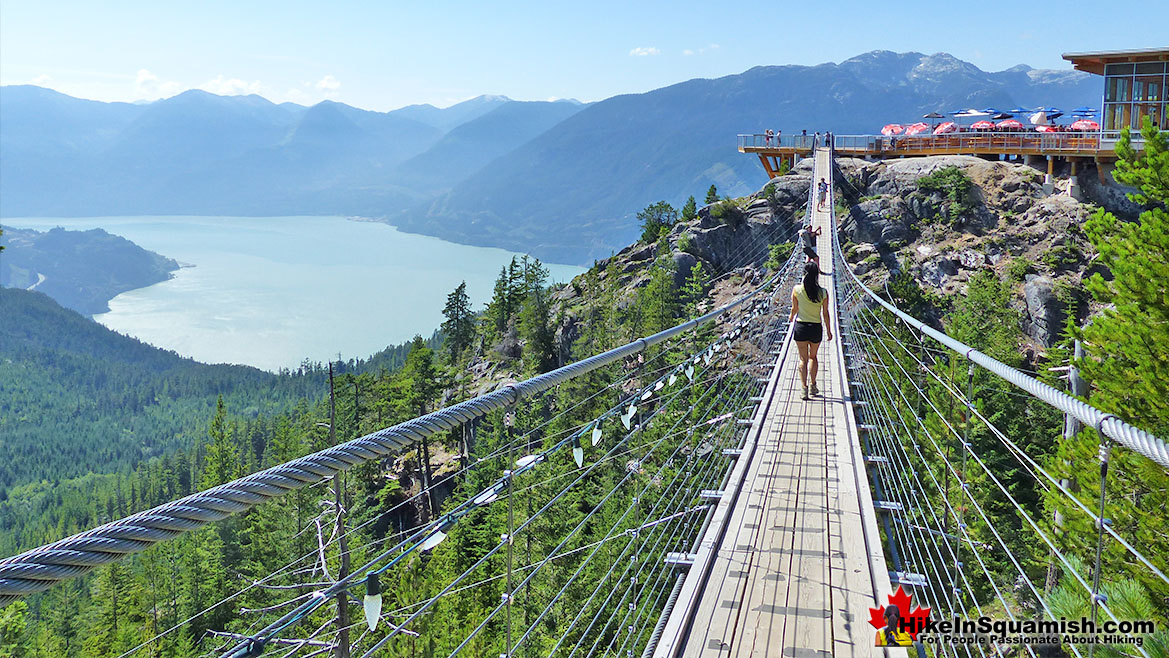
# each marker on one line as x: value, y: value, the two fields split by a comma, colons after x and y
x: 810, y: 252
x: 809, y: 332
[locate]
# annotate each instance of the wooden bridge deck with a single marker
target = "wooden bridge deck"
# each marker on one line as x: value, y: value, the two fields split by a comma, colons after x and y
x: 800, y: 562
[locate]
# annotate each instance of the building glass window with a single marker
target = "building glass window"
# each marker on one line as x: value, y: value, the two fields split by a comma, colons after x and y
x: 1116, y: 115
x: 1118, y: 90
x: 1148, y: 88
x: 1150, y: 67
x: 1142, y: 110
x: 1118, y: 69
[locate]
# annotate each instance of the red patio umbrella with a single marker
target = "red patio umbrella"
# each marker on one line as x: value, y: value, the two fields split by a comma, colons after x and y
x: 917, y: 128
x: 1046, y: 128
x: 982, y: 125
x: 893, y: 129
x: 1010, y: 124
x: 1085, y: 124
x: 947, y: 127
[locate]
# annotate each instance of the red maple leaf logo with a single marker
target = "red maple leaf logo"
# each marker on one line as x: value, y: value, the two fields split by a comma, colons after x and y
x: 911, y: 622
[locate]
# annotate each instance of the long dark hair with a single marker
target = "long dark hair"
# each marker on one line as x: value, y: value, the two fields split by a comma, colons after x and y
x: 811, y: 285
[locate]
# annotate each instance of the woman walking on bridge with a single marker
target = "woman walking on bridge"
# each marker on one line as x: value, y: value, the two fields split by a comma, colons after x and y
x: 810, y: 310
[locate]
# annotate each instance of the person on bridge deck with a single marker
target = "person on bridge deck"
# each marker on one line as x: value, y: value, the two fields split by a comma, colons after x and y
x: 821, y: 194
x: 808, y: 242
x: 810, y: 310
x: 890, y: 636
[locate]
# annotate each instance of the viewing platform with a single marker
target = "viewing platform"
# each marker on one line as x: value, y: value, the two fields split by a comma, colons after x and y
x: 1073, y: 146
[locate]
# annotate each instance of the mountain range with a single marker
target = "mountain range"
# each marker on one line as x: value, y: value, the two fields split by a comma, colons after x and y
x: 561, y: 180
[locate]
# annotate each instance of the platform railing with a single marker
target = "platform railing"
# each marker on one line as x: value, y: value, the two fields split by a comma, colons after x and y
x: 961, y: 142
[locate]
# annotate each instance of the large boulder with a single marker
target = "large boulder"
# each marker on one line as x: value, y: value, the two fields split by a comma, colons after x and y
x: 1045, y: 313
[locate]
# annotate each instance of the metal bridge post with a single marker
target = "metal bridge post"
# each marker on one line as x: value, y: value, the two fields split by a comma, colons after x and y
x: 508, y: 417
x: 962, y: 476
x: 1105, y: 455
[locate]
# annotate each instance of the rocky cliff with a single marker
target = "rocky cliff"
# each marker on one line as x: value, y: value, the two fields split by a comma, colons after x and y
x: 1000, y: 219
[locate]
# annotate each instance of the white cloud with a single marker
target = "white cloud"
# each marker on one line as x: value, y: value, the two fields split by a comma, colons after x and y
x: 149, y: 86
x: 41, y: 80
x: 328, y: 85
x: 643, y: 52
x: 231, y: 86
x: 705, y: 49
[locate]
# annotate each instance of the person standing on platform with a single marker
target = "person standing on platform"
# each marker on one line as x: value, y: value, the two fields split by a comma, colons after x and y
x: 810, y: 311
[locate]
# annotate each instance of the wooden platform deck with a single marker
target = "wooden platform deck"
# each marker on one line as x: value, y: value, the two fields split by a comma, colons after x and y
x: 800, y: 561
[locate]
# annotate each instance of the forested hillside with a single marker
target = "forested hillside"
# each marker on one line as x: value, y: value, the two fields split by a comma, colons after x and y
x: 82, y: 270
x: 76, y: 397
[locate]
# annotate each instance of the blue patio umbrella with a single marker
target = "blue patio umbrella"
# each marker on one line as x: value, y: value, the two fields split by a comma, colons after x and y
x: 1021, y: 110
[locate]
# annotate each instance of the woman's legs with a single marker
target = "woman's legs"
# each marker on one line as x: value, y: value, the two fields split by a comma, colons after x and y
x: 813, y: 362
x: 803, y: 346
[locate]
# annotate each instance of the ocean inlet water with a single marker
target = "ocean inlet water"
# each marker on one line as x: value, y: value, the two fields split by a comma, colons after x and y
x: 273, y: 291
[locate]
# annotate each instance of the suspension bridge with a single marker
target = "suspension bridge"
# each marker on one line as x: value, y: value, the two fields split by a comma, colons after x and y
x: 726, y: 516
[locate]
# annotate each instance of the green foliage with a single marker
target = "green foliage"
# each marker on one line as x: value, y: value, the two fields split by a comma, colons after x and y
x: 778, y: 254
x: 64, y: 377
x: 686, y: 244
x: 729, y: 213
x: 655, y: 219
x: 955, y: 187
x: 1061, y: 256
x: 658, y: 300
x: 535, y: 326
x: 689, y: 209
x: 712, y: 195
x: 695, y: 289
x: 1125, y: 366
x: 1018, y: 269
x: 13, y: 623
x: 459, y: 327
x: 984, y: 320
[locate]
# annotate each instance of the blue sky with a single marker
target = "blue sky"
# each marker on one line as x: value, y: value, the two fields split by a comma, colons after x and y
x: 384, y: 55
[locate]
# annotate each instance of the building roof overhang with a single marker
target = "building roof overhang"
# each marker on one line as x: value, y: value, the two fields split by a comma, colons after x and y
x: 1093, y: 62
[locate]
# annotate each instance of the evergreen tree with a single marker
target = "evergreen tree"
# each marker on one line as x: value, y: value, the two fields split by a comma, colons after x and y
x: 459, y: 326
x: 421, y: 380
x: 690, y: 209
x: 1126, y: 364
x: 222, y: 462
x: 712, y: 195
x: 13, y: 624
x: 658, y: 299
x: 655, y: 219
x: 1126, y: 368
x: 536, y: 331
x: 694, y: 290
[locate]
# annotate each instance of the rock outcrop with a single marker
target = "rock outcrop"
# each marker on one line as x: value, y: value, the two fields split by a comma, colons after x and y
x: 1006, y: 224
